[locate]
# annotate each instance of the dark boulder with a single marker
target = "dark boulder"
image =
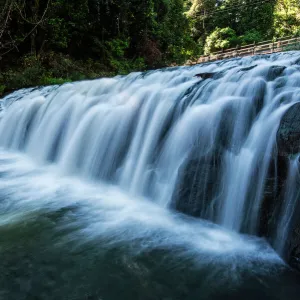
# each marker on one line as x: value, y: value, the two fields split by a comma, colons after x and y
x: 274, y: 72
x: 280, y: 82
x: 292, y: 249
x: 245, y: 69
x: 273, y: 195
x: 198, y: 184
x: 227, y: 136
x: 205, y: 75
x: 226, y: 125
x: 294, y: 257
x: 196, y: 91
x: 258, y: 88
x: 288, y: 135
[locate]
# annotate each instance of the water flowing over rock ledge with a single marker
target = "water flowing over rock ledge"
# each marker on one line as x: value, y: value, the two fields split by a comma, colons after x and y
x: 218, y: 141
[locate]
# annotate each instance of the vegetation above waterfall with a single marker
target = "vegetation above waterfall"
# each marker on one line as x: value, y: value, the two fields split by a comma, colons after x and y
x: 53, y: 41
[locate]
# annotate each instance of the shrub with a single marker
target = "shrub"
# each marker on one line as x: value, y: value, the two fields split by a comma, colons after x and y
x: 250, y: 37
x: 2, y: 89
x: 52, y: 81
x: 220, y: 38
x: 293, y: 47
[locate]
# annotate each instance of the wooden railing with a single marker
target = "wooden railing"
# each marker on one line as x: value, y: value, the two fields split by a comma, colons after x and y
x: 266, y: 47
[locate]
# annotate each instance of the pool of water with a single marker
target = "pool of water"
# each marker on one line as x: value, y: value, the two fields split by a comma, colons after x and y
x: 63, y: 238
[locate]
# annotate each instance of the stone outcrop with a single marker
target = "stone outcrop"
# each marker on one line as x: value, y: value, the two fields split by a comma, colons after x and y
x: 205, y: 75
x: 288, y: 147
x: 200, y: 178
x: 196, y: 187
x: 288, y: 135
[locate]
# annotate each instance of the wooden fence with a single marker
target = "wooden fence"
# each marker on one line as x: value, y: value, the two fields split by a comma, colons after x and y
x: 266, y: 47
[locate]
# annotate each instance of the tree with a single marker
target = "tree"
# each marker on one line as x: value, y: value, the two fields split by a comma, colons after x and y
x: 220, y: 38
x: 20, y: 22
x: 287, y: 18
x: 108, y: 31
x: 201, y: 14
x: 244, y: 16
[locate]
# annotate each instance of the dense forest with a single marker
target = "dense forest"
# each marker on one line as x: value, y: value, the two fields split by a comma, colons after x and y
x: 53, y: 41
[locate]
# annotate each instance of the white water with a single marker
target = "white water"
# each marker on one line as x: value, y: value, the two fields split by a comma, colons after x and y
x: 133, y: 134
x: 106, y: 212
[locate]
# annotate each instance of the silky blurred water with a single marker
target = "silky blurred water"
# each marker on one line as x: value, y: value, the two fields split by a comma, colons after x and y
x: 62, y: 238
x: 88, y: 172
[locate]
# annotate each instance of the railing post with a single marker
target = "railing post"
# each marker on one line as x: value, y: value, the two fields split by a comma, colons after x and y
x: 253, y: 50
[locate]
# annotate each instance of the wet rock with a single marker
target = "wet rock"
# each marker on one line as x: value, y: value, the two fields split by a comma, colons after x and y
x: 259, y: 91
x: 205, y: 75
x: 247, y: 68
x: 226, y: 125
x: 294, y: 258
x: 231, y: 134
x: 198, y: 183
x: 274, y: 72
x: 273, y: 195
x: 215, y: 75
x: 279, y: 84
x: 288, y: 135
x: 196, y: 92
x: 292, y: 248
x: 273, y: 205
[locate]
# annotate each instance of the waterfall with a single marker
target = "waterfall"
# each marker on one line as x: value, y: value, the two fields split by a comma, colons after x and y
x: 289, y: 207
x: 145, y: 132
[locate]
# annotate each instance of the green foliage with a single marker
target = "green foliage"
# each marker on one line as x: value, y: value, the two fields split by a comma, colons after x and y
x: 45, y: 42
x: 294, y: 47
x: 53, y: 81
x: 251, y: 20
x: 174, y: 33
x: 220, y: 38
x: 250, y: 37
x: 126, y: 66
x: 31, y: 72
x: 50, y: 69
x: 117, y: 57
x: 117, y: 47
x: 2, y: 89
x: 287, y: 18
x: 59, y: 33
x: 119, y: 35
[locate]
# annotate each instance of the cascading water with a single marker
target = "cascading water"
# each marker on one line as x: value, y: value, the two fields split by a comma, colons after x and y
x: 126, y: 149
x: 289, y: 207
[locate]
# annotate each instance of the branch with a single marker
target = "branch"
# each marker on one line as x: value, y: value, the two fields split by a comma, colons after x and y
x: 7, y: 18
x: 29, y: 33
